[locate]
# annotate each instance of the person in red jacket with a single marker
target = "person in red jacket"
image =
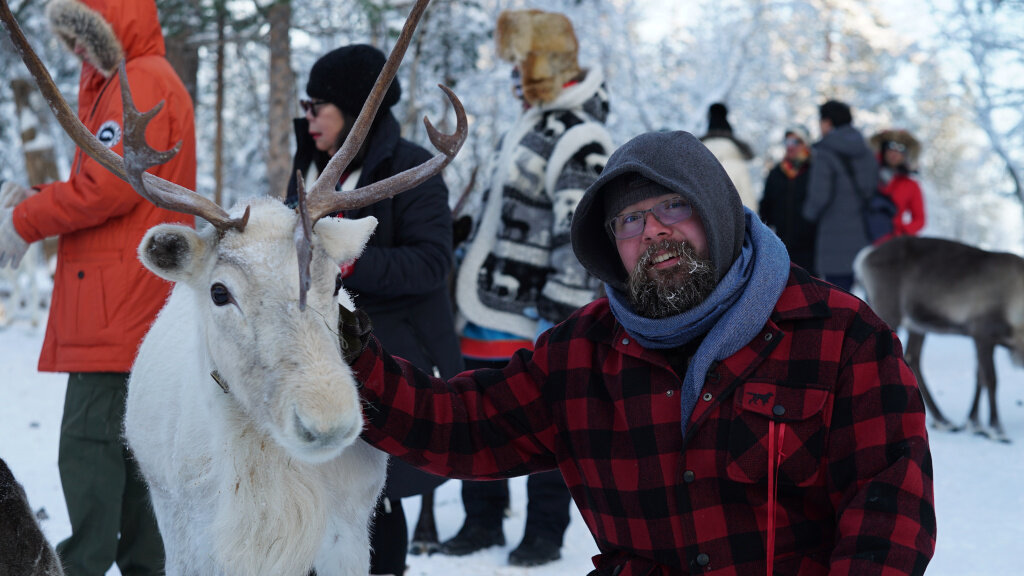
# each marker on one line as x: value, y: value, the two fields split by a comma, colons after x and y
x: 720, y: 412
x: 897, y: 154
x: 103, y: 299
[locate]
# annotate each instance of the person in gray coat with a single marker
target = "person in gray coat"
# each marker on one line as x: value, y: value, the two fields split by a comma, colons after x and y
x: 842, y: 164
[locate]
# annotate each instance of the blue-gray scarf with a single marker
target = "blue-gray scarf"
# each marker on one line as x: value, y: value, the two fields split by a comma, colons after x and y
x: 731, y: 316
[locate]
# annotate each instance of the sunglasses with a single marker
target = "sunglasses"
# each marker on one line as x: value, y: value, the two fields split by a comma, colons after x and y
x: 895, y: 146
x: 312, y: 106
x: 632, y: 224
x: 791, y: 141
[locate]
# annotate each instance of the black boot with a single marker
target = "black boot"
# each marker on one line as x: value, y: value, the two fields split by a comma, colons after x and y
x: 535, y: 551
x: 472, y: 537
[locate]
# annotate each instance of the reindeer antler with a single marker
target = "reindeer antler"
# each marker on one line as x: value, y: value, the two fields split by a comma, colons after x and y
x: 140, y: 156
x: 324, y: 200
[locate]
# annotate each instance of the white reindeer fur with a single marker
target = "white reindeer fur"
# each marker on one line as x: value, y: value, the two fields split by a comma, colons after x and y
x: 236, y: 488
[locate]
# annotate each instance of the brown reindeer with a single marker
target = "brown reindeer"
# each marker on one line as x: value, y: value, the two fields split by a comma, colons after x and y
x: 24, y: 550
x: 943, y: 286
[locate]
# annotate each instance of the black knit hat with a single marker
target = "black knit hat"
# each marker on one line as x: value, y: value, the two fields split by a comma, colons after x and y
x: 718, y: 118
x: 629, y: 189
x: 345, y: 76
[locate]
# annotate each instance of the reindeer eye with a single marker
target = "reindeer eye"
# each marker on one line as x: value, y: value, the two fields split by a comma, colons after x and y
x: 220, y: 294
x: 337, y: 284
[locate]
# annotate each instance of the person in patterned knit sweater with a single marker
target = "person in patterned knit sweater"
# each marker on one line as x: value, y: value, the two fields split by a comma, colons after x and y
x: 519, y: 274
x: 721, y: 411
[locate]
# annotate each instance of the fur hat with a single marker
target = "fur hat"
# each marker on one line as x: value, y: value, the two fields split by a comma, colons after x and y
x: 345, y: 77
x: 543, y: 46
x: 72, y: 20
x: 878, y: 139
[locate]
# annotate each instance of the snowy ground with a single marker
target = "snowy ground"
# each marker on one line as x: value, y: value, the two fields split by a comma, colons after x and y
x: 979, y: 498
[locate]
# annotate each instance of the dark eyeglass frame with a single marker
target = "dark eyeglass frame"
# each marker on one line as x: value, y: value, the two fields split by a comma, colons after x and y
x: 661, y: 211
x: 312, y: 106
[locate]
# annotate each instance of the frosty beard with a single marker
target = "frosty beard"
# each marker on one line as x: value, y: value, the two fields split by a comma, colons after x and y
x: 655, y: 293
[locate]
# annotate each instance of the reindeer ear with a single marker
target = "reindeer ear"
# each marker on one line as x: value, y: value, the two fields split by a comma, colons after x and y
x: 344, y: 239
x: 172, y: 252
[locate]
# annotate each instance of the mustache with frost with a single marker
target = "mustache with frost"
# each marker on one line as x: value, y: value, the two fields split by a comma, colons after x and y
x: 660, y: 293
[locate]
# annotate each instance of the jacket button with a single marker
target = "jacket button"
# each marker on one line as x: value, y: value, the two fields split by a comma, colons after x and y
x: 779, y: 410
x: 708, y: 396
x: 689, y: 476
x: 703, y: 559
x: 625, y: 341
x: 81, y: 274
x: 669, y: 393
x: 768, y: 337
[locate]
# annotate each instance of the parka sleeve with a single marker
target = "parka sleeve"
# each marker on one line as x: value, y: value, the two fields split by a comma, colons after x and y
x: 879, y: 462
x: 575, y: 163
x: 93, y: 195
x: 482, y: 424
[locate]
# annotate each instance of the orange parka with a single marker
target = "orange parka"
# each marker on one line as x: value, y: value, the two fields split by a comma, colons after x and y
x: 103, y: 299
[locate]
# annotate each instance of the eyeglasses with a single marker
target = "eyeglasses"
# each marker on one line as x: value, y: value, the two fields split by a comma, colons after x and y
x: 632, y: 224
x: 791, y: 141
x: 312, y: 106
x: 895, y: 146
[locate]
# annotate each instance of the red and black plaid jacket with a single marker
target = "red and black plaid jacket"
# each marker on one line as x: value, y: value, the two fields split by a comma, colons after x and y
x: 821, y: 397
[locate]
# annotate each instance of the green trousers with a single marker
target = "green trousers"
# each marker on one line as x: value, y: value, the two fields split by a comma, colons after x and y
x: 108, y: 503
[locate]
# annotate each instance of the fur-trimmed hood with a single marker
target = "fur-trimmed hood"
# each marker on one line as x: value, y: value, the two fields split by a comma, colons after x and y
x: 903, y: 137
x: 111, y: 30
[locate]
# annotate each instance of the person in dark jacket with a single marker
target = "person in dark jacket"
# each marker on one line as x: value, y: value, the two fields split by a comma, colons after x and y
x: 720, y: 411
x: 400, y: 280
x: 785, y: 190
x: 843, y: 172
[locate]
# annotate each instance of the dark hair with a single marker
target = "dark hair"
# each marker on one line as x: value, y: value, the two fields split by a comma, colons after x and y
x: 836, y: 112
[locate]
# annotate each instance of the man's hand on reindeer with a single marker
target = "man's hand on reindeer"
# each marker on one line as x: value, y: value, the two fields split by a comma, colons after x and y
x: 12, y: 247
x: 353, y: 330
x: 12, y: 194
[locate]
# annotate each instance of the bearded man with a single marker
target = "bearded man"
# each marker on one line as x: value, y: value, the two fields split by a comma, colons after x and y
x: 721, y: 411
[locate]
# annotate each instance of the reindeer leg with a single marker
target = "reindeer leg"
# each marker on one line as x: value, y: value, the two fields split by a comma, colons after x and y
x: 424, y: 536
x: 915, y: 343
x: 986, y: 383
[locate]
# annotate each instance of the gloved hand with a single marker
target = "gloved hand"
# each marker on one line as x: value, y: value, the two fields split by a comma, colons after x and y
x: 12, y: 247
x: 354, y: 331
x: 12, y: 194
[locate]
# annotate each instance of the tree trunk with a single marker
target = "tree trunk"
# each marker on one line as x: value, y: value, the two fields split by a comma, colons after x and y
x: 218, y: 141
x: 282, y: 81
x: 182, y: 54
x: 40, y: 158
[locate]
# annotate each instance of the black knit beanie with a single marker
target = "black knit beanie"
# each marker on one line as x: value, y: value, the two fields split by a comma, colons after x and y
x: 345, y: 76
x: 672, y: 162
x: 718, y: 118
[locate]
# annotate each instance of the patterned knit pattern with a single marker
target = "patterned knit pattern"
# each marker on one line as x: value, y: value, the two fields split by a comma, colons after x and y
x: 520, y: 259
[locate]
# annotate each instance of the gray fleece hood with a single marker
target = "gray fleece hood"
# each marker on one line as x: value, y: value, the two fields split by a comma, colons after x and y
x: 680, y: 162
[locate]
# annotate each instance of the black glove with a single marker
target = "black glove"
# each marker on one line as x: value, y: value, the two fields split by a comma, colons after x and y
x: 353, y: 331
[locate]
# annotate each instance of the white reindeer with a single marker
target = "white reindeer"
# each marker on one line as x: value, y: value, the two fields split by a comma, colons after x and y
x: 241, y: 411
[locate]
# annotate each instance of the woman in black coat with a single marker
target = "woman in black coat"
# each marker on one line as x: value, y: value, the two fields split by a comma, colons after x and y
x: 400, y: 280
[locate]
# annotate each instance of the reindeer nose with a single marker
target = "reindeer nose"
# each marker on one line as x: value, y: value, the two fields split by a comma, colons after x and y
x: 322, y: 435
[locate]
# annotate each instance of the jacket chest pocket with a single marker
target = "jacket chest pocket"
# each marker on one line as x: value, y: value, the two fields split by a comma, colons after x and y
x: 773, y: 421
